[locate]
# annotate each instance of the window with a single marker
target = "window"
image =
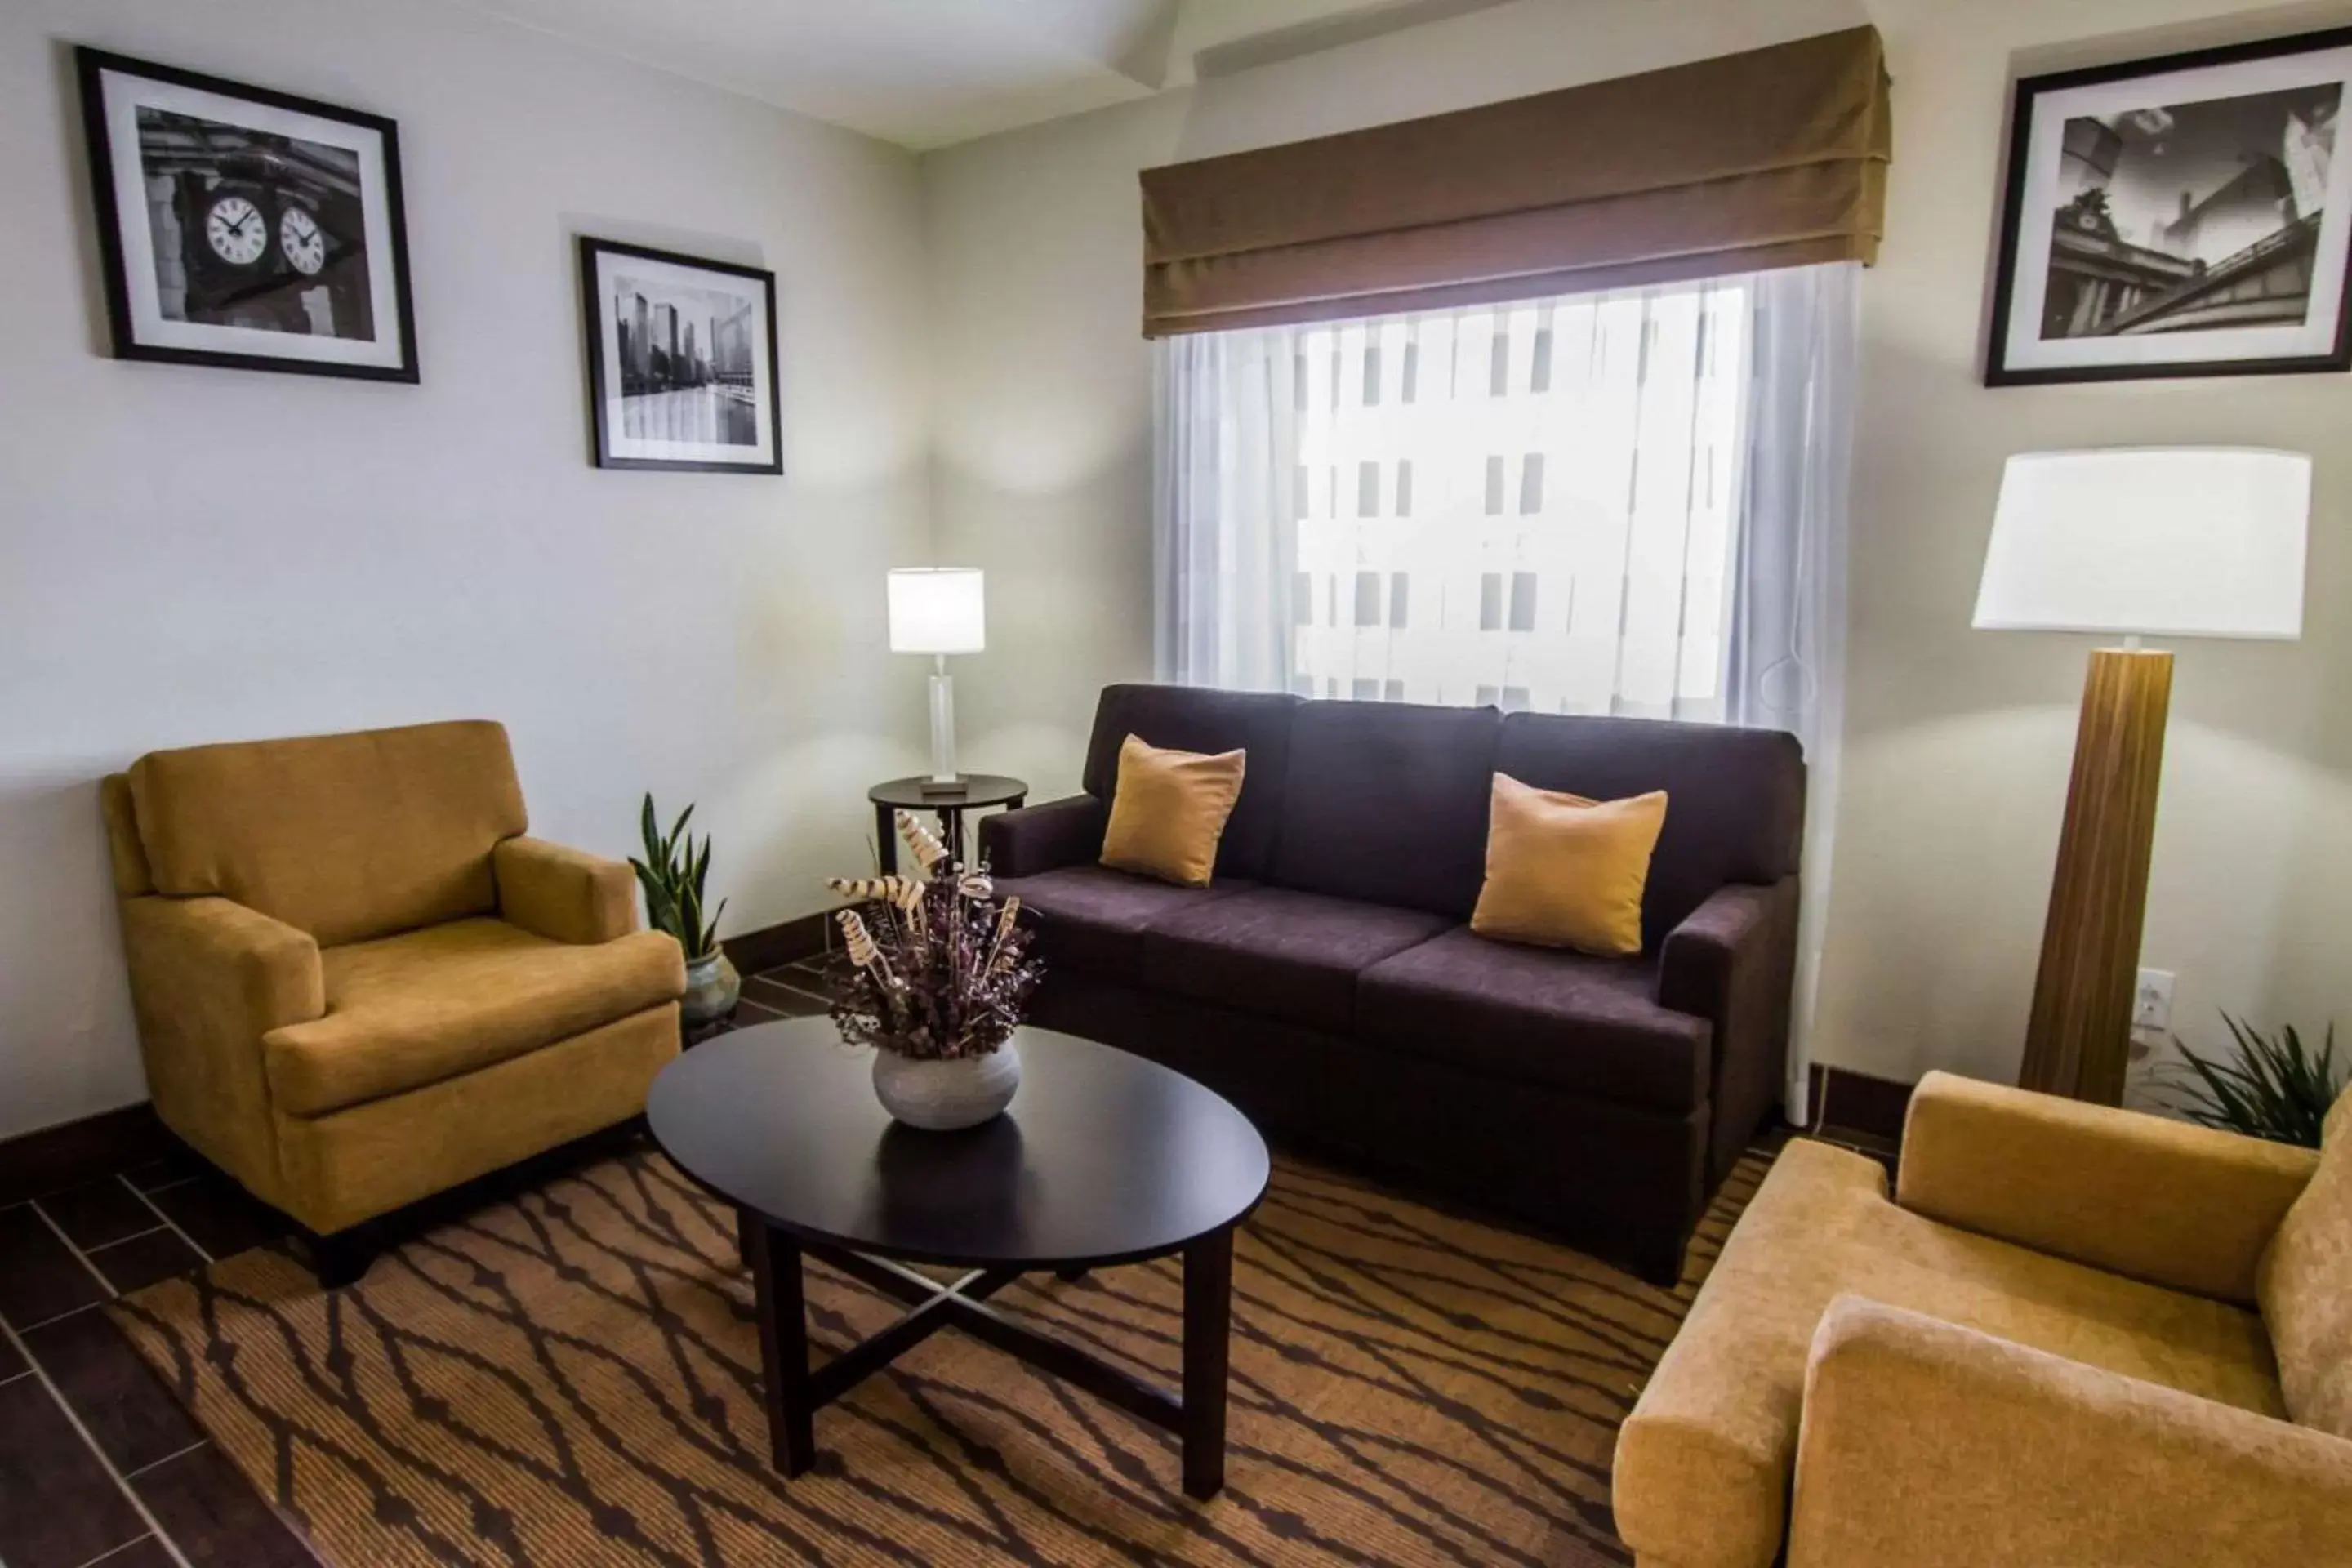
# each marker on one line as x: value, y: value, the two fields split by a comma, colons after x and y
x: 1560, y: 502
x: 1627, y: 502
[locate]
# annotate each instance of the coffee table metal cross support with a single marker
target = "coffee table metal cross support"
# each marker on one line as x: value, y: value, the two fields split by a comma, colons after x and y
x: 794, y: 1394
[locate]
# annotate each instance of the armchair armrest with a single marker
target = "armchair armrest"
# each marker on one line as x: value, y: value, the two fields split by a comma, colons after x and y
x: 1066, y: 831
x: 564, y: 894
x: 1937, y: 1447
x: 2186, y: 1207
x: 1732, y: 961
x: 208, y: 978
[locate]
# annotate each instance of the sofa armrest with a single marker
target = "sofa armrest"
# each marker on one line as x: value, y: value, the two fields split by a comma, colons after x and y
x: 1066, y: 831
x: 2186, y: 1207
x: 1937, y: 1447
x: 208, y: 978
x: 1732, y: 963
x: 564, y: 894
x: 1719, y: 963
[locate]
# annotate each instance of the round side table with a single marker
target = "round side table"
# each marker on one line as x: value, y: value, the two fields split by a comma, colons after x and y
x: 972, y: 791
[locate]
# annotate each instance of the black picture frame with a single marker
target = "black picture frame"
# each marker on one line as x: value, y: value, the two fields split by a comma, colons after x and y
x: 133, y: 333
x: 2328, y: 240
x: 768, y: 456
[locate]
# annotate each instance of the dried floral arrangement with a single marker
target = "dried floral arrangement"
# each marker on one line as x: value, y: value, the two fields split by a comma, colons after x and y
x: 932, y: 966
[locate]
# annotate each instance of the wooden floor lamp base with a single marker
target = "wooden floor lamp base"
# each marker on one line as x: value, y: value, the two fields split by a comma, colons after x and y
x: 2079, y: 1042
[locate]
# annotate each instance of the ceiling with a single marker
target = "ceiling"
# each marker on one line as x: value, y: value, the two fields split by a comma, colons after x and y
x: 925, y: 73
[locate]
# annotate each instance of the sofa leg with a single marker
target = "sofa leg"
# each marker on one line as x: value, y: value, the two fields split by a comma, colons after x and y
x: 1663, y: 1270
x: 342, y: 1258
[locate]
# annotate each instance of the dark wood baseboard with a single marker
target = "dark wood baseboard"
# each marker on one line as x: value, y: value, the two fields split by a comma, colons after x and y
x: 70, y: 1152
x: 772, y: 947
x: 1845, y: 1101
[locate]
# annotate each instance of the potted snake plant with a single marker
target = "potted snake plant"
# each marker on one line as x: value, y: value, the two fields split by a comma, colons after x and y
x: 673, y: 874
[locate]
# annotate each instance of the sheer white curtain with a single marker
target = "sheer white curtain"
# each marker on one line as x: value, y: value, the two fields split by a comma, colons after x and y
x: 1630, y: 503
x: 1785, y: 659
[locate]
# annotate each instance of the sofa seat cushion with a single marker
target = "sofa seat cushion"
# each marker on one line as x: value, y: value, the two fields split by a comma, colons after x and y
x: 1704, y: 1462
x: 1281, y: 954
x: 1091, y: 919
x: 1530, y: 1014
x: 415, y: 1009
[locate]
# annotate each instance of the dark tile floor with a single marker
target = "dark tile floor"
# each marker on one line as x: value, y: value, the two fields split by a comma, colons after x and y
x: 97, y: 1462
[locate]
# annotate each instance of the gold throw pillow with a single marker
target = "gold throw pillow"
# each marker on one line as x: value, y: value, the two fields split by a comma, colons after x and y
x: 1169, y: 811
x: 1565, y: 871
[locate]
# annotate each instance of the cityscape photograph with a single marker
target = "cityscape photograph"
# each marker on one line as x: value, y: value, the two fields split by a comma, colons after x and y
x: 686, y: 362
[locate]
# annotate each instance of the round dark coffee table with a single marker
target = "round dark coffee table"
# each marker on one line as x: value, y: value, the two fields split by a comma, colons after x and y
x: 1102, y: 1158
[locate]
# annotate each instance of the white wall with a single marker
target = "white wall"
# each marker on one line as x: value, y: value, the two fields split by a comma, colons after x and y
x: 194, y: 555
x: 1956, y: 742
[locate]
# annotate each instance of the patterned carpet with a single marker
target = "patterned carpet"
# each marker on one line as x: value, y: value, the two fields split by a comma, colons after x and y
x: 572, y: 1378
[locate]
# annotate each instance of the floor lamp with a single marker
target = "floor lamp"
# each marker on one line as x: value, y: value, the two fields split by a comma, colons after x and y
x: 2200, y: 542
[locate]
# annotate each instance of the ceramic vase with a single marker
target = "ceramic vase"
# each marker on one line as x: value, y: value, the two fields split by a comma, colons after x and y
x: 712, y: 989
x: 940, y: 1094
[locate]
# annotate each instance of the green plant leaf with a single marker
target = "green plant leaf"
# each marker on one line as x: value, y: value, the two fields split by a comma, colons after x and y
x: 2277, y: 1088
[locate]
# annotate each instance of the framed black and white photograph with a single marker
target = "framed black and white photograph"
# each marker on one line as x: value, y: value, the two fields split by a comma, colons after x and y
x: 246, y: 228
x: 2185, y: 215
x: 681, y: 361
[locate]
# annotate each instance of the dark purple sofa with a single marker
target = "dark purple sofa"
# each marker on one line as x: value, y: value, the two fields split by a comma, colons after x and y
x: 1326, y: 983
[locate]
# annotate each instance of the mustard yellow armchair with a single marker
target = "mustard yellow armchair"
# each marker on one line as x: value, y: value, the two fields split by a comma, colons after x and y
x: 2073, y: 1335
x: 358, y: 985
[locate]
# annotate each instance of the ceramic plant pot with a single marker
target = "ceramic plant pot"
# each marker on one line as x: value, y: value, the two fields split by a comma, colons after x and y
x: 712, y: 989
x: 941, y: 1094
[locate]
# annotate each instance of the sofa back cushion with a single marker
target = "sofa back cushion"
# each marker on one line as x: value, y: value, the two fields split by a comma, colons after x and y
x: 1196, y: 719
x: 2304, y: 1287
x: 344, y: 837
x: 1735, y: 797
x: 1386, y: 802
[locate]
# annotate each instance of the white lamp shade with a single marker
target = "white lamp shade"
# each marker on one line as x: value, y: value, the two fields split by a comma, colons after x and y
x: 2181, y: 542
x: 937, y: 609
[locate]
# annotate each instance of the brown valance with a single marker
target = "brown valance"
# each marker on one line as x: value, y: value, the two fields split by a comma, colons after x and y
x: 1773, y: 158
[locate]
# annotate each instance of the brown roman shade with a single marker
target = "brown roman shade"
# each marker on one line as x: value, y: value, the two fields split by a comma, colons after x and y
x: 1773, y: 158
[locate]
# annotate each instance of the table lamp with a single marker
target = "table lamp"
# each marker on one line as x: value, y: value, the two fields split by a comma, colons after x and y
x: 2192, y: 542
x: 939, y: 610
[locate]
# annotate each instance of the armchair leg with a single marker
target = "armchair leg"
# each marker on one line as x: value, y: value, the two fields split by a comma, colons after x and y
x: 343, y: 1258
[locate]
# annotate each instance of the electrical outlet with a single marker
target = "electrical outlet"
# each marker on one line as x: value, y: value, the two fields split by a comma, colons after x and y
x: 2152, y: 1001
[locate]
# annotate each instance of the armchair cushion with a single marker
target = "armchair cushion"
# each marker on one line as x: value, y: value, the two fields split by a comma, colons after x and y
x: 564, y: 894
x: 344, y: 837
x: 2183, y: 1207
x: 1937, y: 1446
x: 414, y: 1009
x: 2305, y: 1285
x: 1531, y: 1015
x: 1704, y: 1462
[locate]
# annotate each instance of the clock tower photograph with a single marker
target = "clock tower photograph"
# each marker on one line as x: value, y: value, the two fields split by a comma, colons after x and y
x: 253, y: 229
